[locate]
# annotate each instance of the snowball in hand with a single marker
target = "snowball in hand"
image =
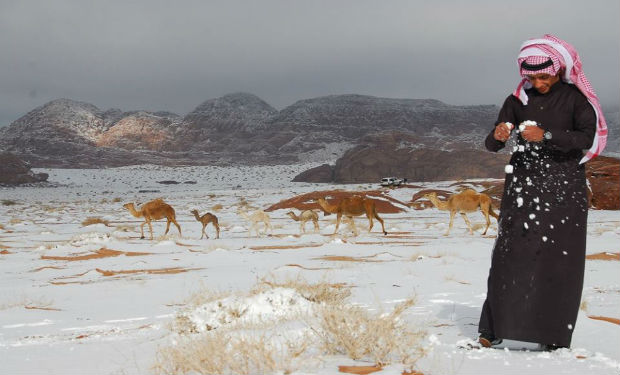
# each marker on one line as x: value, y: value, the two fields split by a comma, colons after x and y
x: 526, y: 123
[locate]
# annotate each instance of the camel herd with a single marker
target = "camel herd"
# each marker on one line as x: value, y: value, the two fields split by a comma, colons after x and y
x: 462, y: 203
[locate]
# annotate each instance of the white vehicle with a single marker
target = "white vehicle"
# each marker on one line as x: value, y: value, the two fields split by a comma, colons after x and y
x: 391, y: 181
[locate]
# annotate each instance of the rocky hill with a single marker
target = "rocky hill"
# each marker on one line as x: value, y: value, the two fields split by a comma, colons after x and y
x: 241, y: 128
x: 388, y: 154
x: 14, y: 171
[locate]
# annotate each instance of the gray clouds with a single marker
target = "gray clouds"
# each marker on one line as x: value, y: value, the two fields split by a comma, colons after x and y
x: 165, y: 55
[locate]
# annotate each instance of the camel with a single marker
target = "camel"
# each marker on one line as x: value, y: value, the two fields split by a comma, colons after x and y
x: 206, y: 219
x: 352, y: 206
x: 255, y: 218
x: 154, y: 210
x: 464, y: 202
x: 303, y: 217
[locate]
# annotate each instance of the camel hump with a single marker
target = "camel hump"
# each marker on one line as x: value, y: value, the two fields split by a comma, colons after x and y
x: 469, y: 191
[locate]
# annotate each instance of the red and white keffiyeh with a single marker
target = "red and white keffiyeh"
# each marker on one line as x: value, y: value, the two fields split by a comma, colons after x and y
x: 563, y: 55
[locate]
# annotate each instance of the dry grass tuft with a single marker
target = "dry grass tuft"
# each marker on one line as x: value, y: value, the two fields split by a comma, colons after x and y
x: 381, y: 338
x: 95, y: 220
x: 226, y: 354
x: 15, y: 220
x: 322, y: 292
x: 8, y: 202
x: 117, y: 200
x: 217, y: 207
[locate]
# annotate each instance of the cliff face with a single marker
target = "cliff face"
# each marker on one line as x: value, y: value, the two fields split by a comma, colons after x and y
x: 142, y: 131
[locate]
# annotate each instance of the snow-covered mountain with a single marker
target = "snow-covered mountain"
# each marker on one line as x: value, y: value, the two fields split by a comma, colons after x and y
x: 242, y: 129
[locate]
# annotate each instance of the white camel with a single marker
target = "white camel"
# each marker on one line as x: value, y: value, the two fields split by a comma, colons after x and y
x: 256, y: 217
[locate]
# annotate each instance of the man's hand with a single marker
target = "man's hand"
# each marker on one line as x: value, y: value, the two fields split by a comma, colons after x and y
x: 533, y: 133
x: 502, y: 131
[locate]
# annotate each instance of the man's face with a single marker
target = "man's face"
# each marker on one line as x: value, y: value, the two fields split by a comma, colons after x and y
x: 542, y: 82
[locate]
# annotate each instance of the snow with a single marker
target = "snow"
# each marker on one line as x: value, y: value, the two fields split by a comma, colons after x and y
x: 525, y: 123
x: 62, y: 316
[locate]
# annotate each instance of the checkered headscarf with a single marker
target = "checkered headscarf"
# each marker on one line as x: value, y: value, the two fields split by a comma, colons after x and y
x: 538, y: 64
x: 536, y: 54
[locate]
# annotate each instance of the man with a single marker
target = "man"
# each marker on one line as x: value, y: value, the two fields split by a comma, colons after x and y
x: 537, y: 267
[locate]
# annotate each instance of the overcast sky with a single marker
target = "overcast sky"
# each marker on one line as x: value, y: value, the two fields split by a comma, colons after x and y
x: 173, y: 55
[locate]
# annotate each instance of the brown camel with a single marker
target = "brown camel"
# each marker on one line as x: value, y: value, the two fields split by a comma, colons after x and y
x: 304, y: 217
x: 352, y: 206
x: 154, y: 210
x: 206, y: 219
x: 466, y: 201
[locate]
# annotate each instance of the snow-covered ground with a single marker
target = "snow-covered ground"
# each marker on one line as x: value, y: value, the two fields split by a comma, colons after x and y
x: 69, y: 307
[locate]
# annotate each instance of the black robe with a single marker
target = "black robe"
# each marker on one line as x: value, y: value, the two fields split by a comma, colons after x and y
x: 537, y: 266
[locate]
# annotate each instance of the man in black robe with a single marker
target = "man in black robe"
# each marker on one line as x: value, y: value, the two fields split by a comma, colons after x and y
x: 537, y: 267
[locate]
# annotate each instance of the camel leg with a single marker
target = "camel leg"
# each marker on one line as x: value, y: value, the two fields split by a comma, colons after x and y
x: 452, y: 213
x: 471, y: 231
x: 142, y: 230
x: 150, y: 228
x: 316, y: 224
x: 302, y: 227
x: 370, y: 223
x: 381, y: 221
x: 203, y: 231
x: 268, y: 227
x: 167, y: 227
x: 485, y: 212
x: 179, y: 227
x: 338, y: 218
x: 352, y: 221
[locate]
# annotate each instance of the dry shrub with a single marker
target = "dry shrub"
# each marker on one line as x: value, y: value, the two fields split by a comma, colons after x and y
x: 335, y: 327
x: 117, y: 199
x: 381, y: 338
x: 8, y: 202
x: 1, y: 226
x: 226, y: 354
x: 217, y: 207
x: 95, y: 220
x: 15, y: 220
x: 322, y: 292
